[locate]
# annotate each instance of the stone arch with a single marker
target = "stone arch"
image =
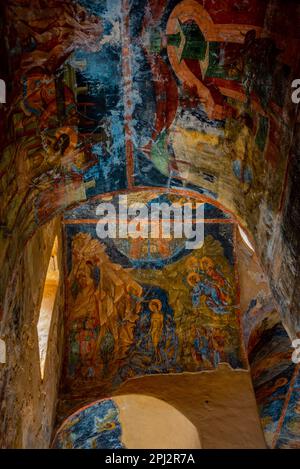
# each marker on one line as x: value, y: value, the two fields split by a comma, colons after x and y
x: 55, y: 154
x: 76, y: 222
x: 127, y: 421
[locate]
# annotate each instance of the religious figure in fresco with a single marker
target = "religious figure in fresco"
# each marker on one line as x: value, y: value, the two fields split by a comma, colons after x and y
x: 192, y: 264
x: 234, y: 76
x: 30, y: 167
x: 128, y: 319
x: 207, y: 265
x: 155, y: 340
x: 215, y: 276
x: 266, y: 392
x: 256, y: 63
x: 49, y: 33
x: 36, y: 156
x: 209, y: 345
x: 105, y: 297
x: 157, y: 324
x: 218, y: 61
x: 84, y: 295
x: 201, y: 349
x: 46, y: 102
x: 43, y: 162
x: 212, y: 294
x: 244, y: 148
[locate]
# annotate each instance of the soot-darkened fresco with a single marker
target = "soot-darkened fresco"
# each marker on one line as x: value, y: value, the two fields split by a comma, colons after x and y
x: 107, y: 95
x: 276, y: 383
x: 148, y: 306
x: 290, y: 431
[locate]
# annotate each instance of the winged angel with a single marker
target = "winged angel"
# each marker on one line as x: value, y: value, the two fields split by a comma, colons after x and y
x: 207, y: 265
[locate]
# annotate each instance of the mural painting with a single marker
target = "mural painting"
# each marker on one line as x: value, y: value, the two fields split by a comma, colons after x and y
x: 138, y: 308
x: 94, y: 427
x: 178, y: 96
x: 273, y: 374
x: 261, y: 310
x: 290, y: 431
x: 117, y: 96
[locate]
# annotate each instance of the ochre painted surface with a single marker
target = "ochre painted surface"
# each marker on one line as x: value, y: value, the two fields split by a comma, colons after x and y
x: 219, y: 403
x: 150, y: 423
x: 131, y: 421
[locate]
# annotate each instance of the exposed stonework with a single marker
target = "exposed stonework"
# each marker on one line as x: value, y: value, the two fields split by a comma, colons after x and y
x: 27, y: 404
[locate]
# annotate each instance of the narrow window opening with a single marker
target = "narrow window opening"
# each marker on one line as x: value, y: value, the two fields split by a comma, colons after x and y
x: 2, y: 351
x: 246, y: 239
x: 2, y: 92
x: 47, y: 306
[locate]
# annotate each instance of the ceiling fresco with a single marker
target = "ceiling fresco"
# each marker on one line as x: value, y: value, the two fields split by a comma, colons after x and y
x: 107, y: 97
x: 162, y: 101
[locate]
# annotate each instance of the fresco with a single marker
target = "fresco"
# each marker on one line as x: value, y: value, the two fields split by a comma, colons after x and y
x: 135, y: 309
x: 273, y: 374
x: 112, y: 95
x: 106, y: 96
x: 261, y: 310
x: 222, y: 113
x: 94, y: 427
x: 117, y: 95
x: 290, y: 432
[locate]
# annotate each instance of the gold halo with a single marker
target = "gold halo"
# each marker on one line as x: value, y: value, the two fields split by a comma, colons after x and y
x: 72, y: 134
x: 192, y: 275
x: 208, y: 260
x: 134, y: 289
x: 157, y: 303
x: 281, y: 382
x: 190, y: 261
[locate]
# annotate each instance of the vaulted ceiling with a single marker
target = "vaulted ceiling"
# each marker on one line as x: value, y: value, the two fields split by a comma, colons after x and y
x: 159, y: 100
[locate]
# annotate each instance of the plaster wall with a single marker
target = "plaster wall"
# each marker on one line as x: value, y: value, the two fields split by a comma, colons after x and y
x: 150, y: 423
x: 220, y: 404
